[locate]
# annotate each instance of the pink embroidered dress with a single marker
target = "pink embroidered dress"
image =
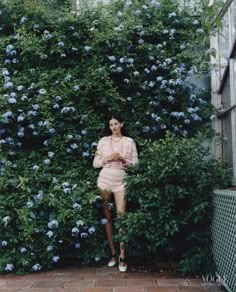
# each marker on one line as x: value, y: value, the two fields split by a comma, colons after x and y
x: 113, y: 172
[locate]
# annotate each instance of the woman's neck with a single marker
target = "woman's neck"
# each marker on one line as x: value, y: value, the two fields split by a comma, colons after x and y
x: 117, y: 135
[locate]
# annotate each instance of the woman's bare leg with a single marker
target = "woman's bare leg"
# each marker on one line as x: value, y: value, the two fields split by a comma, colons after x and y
x: 105, y: 196
x: 109, y: 230
x: 121, y: 208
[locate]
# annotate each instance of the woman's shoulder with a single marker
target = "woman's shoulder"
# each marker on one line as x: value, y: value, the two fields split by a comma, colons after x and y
x: 129, y: 139
x: 104, y: 139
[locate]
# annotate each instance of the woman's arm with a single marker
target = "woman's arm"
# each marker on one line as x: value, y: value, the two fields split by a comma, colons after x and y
x: 98, y: 160
x: 134, y: 156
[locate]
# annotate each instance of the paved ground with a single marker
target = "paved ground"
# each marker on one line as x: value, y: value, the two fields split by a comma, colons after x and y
x: 102, y: 279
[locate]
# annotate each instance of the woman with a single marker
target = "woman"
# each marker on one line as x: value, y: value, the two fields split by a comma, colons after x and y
x: 114, y: 154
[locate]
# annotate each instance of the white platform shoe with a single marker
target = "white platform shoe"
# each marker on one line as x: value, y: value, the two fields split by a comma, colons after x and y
x: 122, y: 268
x: 111, y: 262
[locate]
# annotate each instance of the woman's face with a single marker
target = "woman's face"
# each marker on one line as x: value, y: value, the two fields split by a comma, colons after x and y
x: 115, y: 126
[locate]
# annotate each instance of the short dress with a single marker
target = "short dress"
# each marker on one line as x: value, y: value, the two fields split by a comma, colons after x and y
x: 111, y: 177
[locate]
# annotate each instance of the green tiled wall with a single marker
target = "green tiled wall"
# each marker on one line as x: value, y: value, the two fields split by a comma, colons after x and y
x: 223, y: 231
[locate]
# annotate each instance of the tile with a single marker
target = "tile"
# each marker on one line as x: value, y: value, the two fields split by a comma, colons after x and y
x: 110, y: 283
x: 191, y: 289
x: 79, y: 284
x: 141, y: 283
x: 161, y: 289
x: 195, y: 281
x: 65, y: 290
x: 34, y: 290
x: 47, y: 284
x: 9, y: 289
x: 18, y: 283
x: 97, y: 289
x: 172, y: 282
x: 129, y: 289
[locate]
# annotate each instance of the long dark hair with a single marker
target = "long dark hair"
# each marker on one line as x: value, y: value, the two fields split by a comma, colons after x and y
x: 120, y: 120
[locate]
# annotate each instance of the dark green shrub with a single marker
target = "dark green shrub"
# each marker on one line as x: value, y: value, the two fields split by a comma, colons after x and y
x: 170, y: 194
x: 61, y: 75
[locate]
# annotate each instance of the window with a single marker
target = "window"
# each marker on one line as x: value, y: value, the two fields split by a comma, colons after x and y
x: 224, y: 44
x: 233, y: 20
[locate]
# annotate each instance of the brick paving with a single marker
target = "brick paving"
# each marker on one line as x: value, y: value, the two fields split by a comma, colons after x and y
x: 103, y: 279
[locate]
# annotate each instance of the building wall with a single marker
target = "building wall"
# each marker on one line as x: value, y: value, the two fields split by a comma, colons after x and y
x: 223, y: 82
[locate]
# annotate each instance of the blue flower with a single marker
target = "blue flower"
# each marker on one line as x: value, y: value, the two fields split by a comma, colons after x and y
x: 65, y: 184
x: 199, y: 30
x: 76, y: 87
x: 84, y: 235
x: 47, y: 161
x: 8, y: 84
x: 4, y: 243
x: 20, y: 118
x: 104, y: 221
x: 5, y: 72
x: 42, y: 91
x: 20, y: 87
x: 49, y: 234
x: 35, y: 167
x: 49, y: 248
x: 77, y: 206
x: 91, y: 230
x: 53, y: 224
x: 138, y: 12
x: 9, y: 268
x: 21, y: 133
x: 79, y: 223
x: 140, y: 41
x: 119, y: 14
x: 67, y: 190
x: 51, y: 130
x: 172, y: 14
x: 29, y: 204
x: 37, y: 267
x: 119, y: 69
x: 75, y: 230
x: 61, y: 44
x: 187, y: 121
x: 112, y: 58
x: 39, y: 196
x: 46, y: 142
x: 146, y: 129
x: 196, y: 117
x: 77, y: 245
x: 87, y: 48
x: 23, y: 19
x: 35, y: 106
x: 12, y: 100
x: 55, y: 259
x: 9, y: 48
x: 128, y: 3
x: 23, y: 250
x: 50, y: 154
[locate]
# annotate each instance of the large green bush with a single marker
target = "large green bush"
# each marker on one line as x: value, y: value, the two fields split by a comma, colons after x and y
x: 62, y: 73
x: 170, y: 194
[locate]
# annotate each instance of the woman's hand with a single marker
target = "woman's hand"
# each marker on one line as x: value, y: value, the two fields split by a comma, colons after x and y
x: 121, y: 158
x: 113, y: 157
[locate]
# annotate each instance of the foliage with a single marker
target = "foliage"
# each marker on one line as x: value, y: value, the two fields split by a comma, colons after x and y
x: 62, y: 73
x: 170, y: 194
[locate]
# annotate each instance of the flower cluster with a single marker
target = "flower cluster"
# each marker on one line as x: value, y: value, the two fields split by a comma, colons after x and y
x: 60, y: 78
